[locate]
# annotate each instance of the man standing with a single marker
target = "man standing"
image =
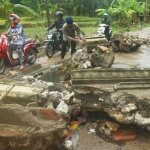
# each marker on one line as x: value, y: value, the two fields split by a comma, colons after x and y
x: 141, y: 19
x: 69, y: 29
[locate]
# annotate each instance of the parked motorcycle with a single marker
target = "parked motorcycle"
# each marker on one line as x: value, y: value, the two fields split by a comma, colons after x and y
x: 101, y: 31
x: 7, y: 55
x: 54, y: 43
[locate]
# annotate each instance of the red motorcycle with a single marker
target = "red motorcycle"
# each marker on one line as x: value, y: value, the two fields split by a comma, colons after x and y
x: 7, y: 56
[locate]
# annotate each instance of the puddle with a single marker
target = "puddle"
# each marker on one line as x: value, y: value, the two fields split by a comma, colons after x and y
x: 138, y: 59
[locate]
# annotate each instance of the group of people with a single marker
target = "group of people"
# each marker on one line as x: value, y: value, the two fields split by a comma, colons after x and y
x: 67, y: 28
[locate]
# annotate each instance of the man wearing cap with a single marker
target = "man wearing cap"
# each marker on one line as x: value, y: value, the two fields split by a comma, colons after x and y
x: 69, y: 29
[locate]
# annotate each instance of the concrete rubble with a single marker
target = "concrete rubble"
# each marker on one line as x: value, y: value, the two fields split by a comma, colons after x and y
x: 40, y: 115
x: 47, y: 105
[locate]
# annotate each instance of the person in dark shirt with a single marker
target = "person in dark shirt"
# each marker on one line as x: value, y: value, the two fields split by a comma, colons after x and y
x: 106, y: 21
x: 141, y: 19
x: 58, y: 23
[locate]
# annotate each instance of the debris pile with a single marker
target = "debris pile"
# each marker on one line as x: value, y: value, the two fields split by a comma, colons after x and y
x: 44, y: 122
x: 102, y: 57
x: 126, y: 42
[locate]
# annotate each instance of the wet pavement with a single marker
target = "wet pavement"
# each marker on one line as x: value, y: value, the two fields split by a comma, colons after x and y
x: 45, y: 61
x: 137, y: 59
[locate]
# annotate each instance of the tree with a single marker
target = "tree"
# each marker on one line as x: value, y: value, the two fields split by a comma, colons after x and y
x: 6, y: 8
x: 126, y: 13
x: 47, y: 12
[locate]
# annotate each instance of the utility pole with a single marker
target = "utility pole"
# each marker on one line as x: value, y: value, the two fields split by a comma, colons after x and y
x: 47, y: 13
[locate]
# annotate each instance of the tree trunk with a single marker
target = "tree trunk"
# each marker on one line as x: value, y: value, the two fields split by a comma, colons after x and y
x: 47, y: 12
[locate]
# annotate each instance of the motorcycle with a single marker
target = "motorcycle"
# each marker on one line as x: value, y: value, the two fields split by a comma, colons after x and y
x: 54, y: 43
x: 7, y: 55
x: 101, y: 31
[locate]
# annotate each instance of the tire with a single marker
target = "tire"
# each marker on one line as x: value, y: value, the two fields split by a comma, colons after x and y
x: 2, y: 65
x: 32, y: 56
x: 49, y: 51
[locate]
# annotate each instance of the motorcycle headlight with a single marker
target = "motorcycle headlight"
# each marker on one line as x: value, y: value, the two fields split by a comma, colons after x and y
x: 49, y: 36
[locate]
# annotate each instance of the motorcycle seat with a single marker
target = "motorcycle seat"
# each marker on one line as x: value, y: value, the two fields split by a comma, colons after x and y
x: 28, y: 40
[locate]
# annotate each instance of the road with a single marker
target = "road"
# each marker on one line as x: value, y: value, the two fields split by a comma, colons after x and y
x: 138, y: 58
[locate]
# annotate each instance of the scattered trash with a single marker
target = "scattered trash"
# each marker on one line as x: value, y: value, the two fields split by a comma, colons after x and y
x: 53, y: 66
x: 68, y: 144
x: 91, y: 131
x: 28, y: 78
x: 13, y: 72
x: 73, y: 127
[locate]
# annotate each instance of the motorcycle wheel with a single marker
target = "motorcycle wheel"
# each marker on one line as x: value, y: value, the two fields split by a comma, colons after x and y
x: 33, y: 56
x: 49, y: 51
x: 2, y: 65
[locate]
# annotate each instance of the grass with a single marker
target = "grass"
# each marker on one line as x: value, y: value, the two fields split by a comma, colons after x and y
x: 36, y: 27
x: 38, y: 32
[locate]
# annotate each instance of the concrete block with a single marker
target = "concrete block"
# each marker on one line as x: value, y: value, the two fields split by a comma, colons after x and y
x: 21, y: 94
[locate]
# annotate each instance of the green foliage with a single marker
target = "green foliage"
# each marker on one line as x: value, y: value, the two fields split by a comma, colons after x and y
x: 5, y: 8
x: 126, y: 14
x: 25, y: 10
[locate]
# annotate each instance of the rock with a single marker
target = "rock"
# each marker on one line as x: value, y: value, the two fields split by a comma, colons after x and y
x: 113, y: 126
x: 125, y: 42
x: 29, y: 128
x: 102, y: 57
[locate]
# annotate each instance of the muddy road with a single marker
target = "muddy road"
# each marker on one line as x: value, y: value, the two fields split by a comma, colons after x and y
x: 138, y: 58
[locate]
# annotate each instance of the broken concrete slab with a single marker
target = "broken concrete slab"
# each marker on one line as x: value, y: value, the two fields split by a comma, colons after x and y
x: 93, y: 42
x: 122, y: 106
x: 133, y: 81
x: 109, y: 75
x: 21, y: 94
x: 29, y: 124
